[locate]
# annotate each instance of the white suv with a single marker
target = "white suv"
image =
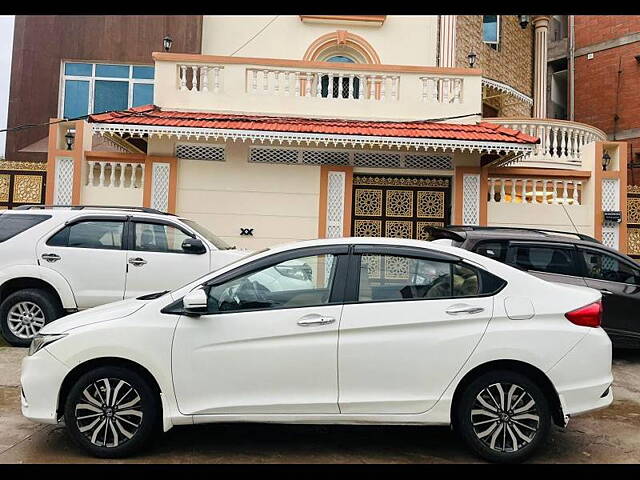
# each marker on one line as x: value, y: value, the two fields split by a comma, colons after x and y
x: 57, y: 260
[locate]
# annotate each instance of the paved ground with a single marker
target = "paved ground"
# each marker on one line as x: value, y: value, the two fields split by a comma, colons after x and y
x: 607, y: 436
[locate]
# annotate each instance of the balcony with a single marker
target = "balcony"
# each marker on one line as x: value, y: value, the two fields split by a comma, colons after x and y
x: 561, y: 142
x: 330, y: 90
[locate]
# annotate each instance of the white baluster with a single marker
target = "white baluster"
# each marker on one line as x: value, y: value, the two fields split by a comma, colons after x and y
x: 576, y: 198
x: 254, y: 81
x: 544, y: 191
x: 142, y: 175
x: 457, y: 94
x: 565, y: 193
x: 112, y: 176
x: 308, y: 78
x: 436, y: 89
x: 492, y: 190
x: 534, y: 190
x: 101, y: 179
x: 286, y: 83
x: 383, y: 87
x: 563, y: 146
x: 513, y: 190
x: 183, y: 77
x: 340, y: 93
x: 330, y: 87
x: 446, y: 87
x: 547, y: 141
x: 216, y: 79
x: 194, y: 79
x: 296, y: 78
x: 350, y: 90
x: 362, y: 89
x: 394, y: 87
x: 554, y: 196
x: 90, y: 179
x: 265, y: 81
x: 424, y: 89
x: 276, y: 82
x: 319, y: 85
x: 204, y: 78
x: 503, y: 192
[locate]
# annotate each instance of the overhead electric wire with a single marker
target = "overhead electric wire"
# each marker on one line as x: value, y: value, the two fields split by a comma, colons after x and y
x: 252, y: 38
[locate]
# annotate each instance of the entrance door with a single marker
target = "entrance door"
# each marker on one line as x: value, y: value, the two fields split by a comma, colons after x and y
x: 399, y: 206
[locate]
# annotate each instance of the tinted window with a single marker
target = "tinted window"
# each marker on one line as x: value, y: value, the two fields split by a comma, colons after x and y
x: 13, y: 224
x: 301, y: 282
x: 602, y: 266
x: 159, y: 238
x: 495, y: 250
x: 544, y: 259
x: 90, y: 234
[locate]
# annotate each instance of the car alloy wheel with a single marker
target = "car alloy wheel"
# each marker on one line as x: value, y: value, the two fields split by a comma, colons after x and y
x: 109, y: 412
x: 25, y: 319
x: 505, y: 417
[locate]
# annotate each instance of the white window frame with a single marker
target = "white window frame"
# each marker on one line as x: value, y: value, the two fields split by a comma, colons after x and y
x: 92, y: 81
x: 497, y: 42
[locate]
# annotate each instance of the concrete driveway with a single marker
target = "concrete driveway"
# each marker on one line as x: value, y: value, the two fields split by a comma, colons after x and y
x: 606, y: 436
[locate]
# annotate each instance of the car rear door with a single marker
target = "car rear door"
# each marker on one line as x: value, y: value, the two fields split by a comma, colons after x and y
x: 551, y: 261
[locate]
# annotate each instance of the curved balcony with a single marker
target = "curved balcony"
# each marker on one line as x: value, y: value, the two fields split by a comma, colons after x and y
x: 561, y: 142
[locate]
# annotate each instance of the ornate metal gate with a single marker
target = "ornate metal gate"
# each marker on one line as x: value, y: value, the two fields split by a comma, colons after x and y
x: 633, y: 221
x: 22, y: 183
x: 399, y: 206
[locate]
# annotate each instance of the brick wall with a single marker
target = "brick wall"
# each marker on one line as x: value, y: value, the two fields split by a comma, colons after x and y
x: 511, y: 64
x: 590, y: 29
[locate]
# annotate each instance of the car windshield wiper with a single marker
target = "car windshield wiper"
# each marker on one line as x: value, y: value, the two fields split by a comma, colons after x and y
x: 152, y: 296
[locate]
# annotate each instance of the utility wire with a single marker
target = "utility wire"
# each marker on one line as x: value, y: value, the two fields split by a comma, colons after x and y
x: 259, y: 32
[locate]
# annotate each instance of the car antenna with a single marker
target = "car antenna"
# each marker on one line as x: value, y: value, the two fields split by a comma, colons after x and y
x: 570, y: 219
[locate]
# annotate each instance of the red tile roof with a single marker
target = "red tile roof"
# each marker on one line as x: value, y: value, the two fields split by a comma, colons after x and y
x: 153, y: 115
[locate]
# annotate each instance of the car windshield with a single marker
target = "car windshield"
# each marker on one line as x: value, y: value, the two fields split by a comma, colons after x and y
x: 217, y: 242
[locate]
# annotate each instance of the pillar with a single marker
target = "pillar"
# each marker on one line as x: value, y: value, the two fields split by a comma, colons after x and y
x: 541, y: 29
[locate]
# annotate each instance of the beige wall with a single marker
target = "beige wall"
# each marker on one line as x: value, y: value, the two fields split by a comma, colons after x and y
x: 414, y: 37
x: 552, y: 217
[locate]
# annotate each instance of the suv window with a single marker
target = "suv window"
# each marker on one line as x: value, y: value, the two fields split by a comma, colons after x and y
x: 13, y: 224
x: 492, y: 249
x: 391, y: 277
x: 100, y: 234
x: 549, y: 259
x: 152, y: 237
x: 602, y: 266
x: 301, y: 282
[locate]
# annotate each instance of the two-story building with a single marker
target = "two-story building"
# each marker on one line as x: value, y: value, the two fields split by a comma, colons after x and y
x: 296, y: 127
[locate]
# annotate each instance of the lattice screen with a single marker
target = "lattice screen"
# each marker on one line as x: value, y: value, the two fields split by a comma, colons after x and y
x: 610, y: 201
x: 325, y: 157
x: 274, y: 155
x: 190, y: 151
x: 160, y: 186
x: 64, y: 181
x: 335, y: 204
x: 380, y: 160
x: 471, y: 199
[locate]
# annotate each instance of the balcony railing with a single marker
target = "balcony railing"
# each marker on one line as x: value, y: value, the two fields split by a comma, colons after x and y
x: 536, y: 191
x: 561, y: 142
x: 281, y: 87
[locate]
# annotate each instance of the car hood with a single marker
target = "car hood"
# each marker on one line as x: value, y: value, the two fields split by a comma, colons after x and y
x: 103, y: 313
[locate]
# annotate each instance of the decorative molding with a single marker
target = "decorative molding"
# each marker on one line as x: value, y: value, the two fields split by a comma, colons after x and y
x: 501, y: 87
x: 25, y: 166
x: 400, y: 181
x: 371, y: 20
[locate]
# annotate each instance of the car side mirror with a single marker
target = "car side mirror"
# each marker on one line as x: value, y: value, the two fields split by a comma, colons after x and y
x: 195, y: 302
x: 193, y: 245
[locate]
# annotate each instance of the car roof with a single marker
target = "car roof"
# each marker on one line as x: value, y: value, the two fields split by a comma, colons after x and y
x: 73, y: 211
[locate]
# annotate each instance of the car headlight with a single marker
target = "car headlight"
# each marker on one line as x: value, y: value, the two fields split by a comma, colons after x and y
x: 40, y: 341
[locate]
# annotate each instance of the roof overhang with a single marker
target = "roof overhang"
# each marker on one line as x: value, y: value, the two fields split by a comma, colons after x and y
x: 501, y: 87
x: 319, y: 139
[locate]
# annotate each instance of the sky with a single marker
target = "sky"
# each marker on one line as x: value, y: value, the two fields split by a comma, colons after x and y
x: 6, y: 46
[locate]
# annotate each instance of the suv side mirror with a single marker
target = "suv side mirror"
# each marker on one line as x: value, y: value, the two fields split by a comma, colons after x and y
x: 195, y: 302
x: 193, y: 245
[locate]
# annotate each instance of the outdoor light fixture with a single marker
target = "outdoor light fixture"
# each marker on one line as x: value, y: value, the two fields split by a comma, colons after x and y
x: 523, y: 20
x: 606, y: 160
x: 166, y: 43
x: 471, y: 58
x: 637, y: 57
x: 69, y: 137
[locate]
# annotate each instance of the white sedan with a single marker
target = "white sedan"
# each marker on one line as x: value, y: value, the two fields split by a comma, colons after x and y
x: 376, y: 331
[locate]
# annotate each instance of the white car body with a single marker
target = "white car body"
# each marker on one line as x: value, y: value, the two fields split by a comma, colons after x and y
x: 381, y: 362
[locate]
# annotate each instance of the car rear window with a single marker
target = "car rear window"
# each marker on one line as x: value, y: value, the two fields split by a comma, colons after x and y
x: 12, y: 224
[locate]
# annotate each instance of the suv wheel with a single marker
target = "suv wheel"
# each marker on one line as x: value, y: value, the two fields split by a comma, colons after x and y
x: 111, y: 412
x: 25, y: 312
x: 503, y: 416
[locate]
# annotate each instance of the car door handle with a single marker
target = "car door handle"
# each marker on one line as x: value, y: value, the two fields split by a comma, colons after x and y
x: 314, y: 320
x: 605, y: 291
x: 50, y: 257
x: 137, y: 262
x: 460, y: 309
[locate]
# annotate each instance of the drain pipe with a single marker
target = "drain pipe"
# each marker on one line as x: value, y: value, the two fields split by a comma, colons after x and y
x: 572, y: 67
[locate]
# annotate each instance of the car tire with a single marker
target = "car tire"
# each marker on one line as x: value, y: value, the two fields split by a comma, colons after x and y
x: 40, y: 308
x: 491, y: 423
x: 96, y: 421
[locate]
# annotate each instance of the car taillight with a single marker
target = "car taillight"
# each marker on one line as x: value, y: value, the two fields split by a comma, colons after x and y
x: 587, y: 316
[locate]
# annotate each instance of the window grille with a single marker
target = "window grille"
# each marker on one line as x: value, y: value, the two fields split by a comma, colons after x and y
x: 186, y: 151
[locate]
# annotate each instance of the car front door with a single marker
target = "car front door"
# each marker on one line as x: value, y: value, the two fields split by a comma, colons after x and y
x: 619, y: 282
x: 156, y: 260
x: 551, y: 261
x: 410, y: 321
x: 89, y: 253
x: 268, y: 342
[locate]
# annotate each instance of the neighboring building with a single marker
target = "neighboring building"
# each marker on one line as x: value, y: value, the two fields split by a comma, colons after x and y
x: 45, y: 84
x: 294, y: 127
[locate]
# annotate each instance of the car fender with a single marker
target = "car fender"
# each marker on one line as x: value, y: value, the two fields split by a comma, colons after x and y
x: 53, y: 278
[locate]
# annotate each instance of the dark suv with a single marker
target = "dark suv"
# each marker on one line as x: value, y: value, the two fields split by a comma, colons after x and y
x: 565, y: 258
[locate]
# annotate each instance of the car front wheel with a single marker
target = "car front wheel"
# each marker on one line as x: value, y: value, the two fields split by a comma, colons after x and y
x: 503, y: 416
x: 25, y: 312
x: 111, y: 412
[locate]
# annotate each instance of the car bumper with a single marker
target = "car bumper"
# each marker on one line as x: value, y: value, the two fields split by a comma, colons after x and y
x: 41, y: 378
x: 583, y: 377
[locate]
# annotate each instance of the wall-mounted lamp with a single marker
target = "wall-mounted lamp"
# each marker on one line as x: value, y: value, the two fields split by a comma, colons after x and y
x: 167, y: 42
x: 606, y: 160
x: 637, y: 57
x: 69, y: 138
x: 471, y: 58
x: 523, y: 20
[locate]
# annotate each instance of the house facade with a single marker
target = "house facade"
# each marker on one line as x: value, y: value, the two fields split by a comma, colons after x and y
x: 292, y: 127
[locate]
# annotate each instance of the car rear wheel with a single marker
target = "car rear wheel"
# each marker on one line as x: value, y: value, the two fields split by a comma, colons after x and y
x: 503, y: 416
x: 111, y: 412
x: 25, y: 312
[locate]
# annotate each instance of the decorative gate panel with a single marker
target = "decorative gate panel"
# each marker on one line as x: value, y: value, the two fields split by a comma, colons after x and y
x: 21, y: 183
x: 399, y: 206
x: 633, y: 221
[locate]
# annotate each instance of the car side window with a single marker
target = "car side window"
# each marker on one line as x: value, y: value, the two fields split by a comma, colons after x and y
x: 491, y: 249
x: 548, y: 259
x: 152, y: 237
x: 602, y: 266
x: 100, y: 234
x: 301, y: 282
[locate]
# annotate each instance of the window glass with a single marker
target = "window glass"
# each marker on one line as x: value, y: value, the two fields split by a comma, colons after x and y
x: 465, y: 281
x: 110, y: 95
x: 152, y: 237
x: 78, y: 69
x: 90, y: 234
x: 301, y: 282
x: 143, y: 72
x: 217, y: 242
x: 113, y: 71
x: 340, y: 59
x: 495, y: 250
x: 490, y: 29
x: 76, y: 98
x: 142, y: 94
x: 13, y: 224
x: 545, y: 259
x: 607, y: 267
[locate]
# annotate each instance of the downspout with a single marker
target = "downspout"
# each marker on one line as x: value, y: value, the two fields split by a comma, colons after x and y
x: 572, y: 67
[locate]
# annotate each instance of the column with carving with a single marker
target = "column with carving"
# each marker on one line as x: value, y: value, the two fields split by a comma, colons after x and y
x: 541, y: 28
x: 447, y: 53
